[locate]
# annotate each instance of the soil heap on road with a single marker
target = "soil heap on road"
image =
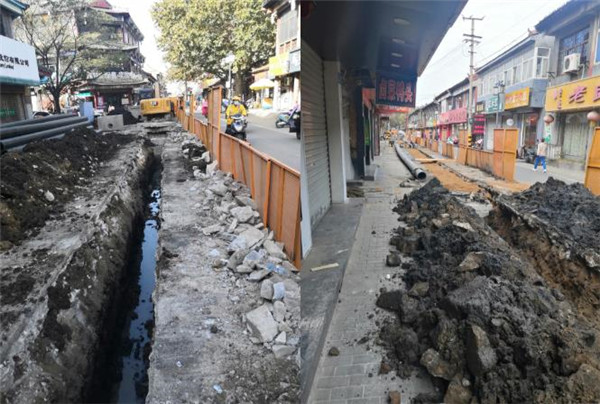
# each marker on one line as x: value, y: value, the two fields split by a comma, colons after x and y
x: 478, y: 316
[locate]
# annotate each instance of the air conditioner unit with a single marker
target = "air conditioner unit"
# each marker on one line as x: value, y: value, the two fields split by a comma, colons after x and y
x: 571, y: 63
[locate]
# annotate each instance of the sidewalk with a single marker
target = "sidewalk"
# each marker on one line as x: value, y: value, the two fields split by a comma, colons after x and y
x: 524, y: 174
x: 352, y: 376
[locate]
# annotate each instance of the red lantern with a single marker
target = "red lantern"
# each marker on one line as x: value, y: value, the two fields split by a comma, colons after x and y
x: 548, y: 119
x: 593, y: 116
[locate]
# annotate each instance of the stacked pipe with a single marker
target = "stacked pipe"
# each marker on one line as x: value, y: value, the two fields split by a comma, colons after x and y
x: 18, y: 134
x: 416, y: 171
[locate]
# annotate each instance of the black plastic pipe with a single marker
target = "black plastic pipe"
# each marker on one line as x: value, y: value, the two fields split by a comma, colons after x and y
x: 24, y: 139
x: 416, y: 171
x: 35, y: 120
x: 7, y: 133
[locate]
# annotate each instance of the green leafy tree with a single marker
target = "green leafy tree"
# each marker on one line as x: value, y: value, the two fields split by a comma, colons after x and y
x: 197, y: 35
x: 67, y: 36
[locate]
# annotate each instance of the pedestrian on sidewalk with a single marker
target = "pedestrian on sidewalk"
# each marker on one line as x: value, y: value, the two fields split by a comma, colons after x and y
x: 540, y: 155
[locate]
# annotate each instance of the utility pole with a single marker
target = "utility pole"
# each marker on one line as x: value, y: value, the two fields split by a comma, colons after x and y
x: 471, y: 39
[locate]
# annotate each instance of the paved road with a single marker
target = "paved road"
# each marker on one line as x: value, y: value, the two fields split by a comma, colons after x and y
x: 524, y: 173
x: 277, y: 143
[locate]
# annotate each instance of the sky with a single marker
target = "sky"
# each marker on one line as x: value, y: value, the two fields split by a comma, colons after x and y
x: 140, y: 12
x: 505, y: 22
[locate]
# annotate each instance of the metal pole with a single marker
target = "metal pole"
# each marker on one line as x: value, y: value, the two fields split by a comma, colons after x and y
x: 472, y: 39
x: 229, y: 80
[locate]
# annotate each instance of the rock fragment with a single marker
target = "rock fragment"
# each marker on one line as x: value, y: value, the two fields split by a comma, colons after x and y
x: 262, y: 324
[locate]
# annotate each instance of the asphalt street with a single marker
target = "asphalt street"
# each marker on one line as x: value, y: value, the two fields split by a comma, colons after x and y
x: 265, y: 137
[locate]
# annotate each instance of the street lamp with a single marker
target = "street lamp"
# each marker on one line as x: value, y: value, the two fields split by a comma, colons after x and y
x: 228, y: 61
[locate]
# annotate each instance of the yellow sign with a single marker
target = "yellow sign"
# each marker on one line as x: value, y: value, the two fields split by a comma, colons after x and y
x: 279, y: 65
x: 516, y: 99
x: 580, y: 94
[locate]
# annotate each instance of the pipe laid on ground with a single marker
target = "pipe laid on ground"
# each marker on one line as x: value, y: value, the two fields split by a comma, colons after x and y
x: 38, y: 127
x: 35, y: 120
x: 417, y: 172
x: 24, y: 139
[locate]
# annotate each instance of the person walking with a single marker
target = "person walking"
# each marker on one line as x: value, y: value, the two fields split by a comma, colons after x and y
x: 540, y: 155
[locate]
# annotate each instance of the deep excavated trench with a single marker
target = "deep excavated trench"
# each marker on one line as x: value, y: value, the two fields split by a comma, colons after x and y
x: 121, y: 372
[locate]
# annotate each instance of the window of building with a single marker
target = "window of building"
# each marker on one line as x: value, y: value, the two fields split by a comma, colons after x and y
x: 542, y: 61
x: 527, y: 69
x: 288, y: 26
x: 597, y: 47
x: 516, y: 73
x: 574, y: 43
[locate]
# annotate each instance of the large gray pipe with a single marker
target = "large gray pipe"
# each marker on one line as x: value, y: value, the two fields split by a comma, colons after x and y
x: 35, y: 120
x: 38, y: 127
x: 24, y: 139
x: 417, y: 172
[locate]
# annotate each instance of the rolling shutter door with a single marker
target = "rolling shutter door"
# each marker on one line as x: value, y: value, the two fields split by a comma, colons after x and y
x: 314, y: 133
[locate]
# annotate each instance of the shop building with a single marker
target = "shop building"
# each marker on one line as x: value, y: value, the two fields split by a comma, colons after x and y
x: 574, y: 88
x: 18, y: 67
x: 423, y: 121
x: 511, y: 89
x: 284, y: 67
x: 452, y: 111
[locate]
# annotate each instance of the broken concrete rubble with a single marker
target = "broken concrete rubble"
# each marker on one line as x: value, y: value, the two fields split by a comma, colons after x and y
x: 262, y: 324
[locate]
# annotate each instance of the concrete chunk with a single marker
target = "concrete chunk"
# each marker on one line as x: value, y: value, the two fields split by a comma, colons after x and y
x: 282, y: 351
x: 261, y: 323
x: 242, y: 214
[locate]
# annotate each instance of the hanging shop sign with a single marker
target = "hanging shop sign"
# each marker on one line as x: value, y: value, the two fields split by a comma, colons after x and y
x: 480, y: 107
x: 493, y: 104
x: 18, y: 64
x: 396, y: 90
x: 279, y: 65
x: 390, y: 110
x: 295, y: 61
x: 478, y: 124
x: 458, y: 115
x: 580, y: 94
x: 516, y: 99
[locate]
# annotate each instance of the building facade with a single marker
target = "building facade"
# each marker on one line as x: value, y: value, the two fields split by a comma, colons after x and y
x: 284, y: 67
x: 18, y: 66
x: 574, y: 87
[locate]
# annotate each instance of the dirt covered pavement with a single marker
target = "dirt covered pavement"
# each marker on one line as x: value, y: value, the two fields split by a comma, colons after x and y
x: 37, y: 182
x: 482, y: 317
x: 68, y: 209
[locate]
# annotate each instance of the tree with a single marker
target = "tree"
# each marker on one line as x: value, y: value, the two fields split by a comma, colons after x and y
x: 398, y: 120
x: 66, y: 35
x: 198, y: 34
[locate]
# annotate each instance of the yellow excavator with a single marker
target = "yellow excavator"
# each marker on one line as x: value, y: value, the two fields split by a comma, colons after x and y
x: 158, y: 107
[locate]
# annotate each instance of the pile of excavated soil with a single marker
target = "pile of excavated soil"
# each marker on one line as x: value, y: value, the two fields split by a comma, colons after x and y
x: 40, y: 180
x: 478, y: 316
x: 557, y: 227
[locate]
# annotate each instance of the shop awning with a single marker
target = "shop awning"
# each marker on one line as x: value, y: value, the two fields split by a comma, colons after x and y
x: 262, y: 84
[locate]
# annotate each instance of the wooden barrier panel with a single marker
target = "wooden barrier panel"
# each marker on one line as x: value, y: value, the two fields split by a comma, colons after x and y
x: 592, y: 169
x: 509, y: 155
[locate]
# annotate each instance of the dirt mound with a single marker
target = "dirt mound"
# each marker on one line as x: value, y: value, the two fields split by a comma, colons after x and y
x: 557, y: 227
x: 39, y: 181
x: 478, y: 317
x: 571, y: 209
x: 128, y: 118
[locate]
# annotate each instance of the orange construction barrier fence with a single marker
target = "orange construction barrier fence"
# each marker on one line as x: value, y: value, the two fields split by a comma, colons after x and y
x: 274, y: 186
x: 592, y: 169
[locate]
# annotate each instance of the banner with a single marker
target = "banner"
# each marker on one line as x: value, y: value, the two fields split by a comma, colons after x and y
x: 580, y: 94
x: 396, y: 90
x: 516, y: 99
x: 18, y: 64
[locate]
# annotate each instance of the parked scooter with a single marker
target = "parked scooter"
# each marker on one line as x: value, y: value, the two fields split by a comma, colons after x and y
x: 238, y: 126
x: 283, y: 119
x: 295, y: 123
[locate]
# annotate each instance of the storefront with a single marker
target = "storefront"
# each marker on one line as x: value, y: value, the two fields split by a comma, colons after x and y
x: 18, y: 71
x: 524, y: 115
x: 493, y: 119
x: 284, y: 69
x: 451, y: 122
x: 570, y: 133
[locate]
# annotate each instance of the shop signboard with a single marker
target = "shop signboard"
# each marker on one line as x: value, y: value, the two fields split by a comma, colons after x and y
x: 279, y: 65
x: 516, y: 99
x: 480, y: 107
x: 396, y: 90
x: 18, y: 64
x: 295, y: 61
x: 478, y: 124
x: 389, y: 110
x: 493, y: 104
x: 580, y: 94
x: 458, y: 115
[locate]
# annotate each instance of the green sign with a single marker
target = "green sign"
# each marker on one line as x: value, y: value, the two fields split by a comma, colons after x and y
x: 493, y: 104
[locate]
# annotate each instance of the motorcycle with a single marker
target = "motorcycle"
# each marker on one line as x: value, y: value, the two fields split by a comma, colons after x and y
x: 238, y: 126
x: 294, y: 123
x: 282, y: 120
